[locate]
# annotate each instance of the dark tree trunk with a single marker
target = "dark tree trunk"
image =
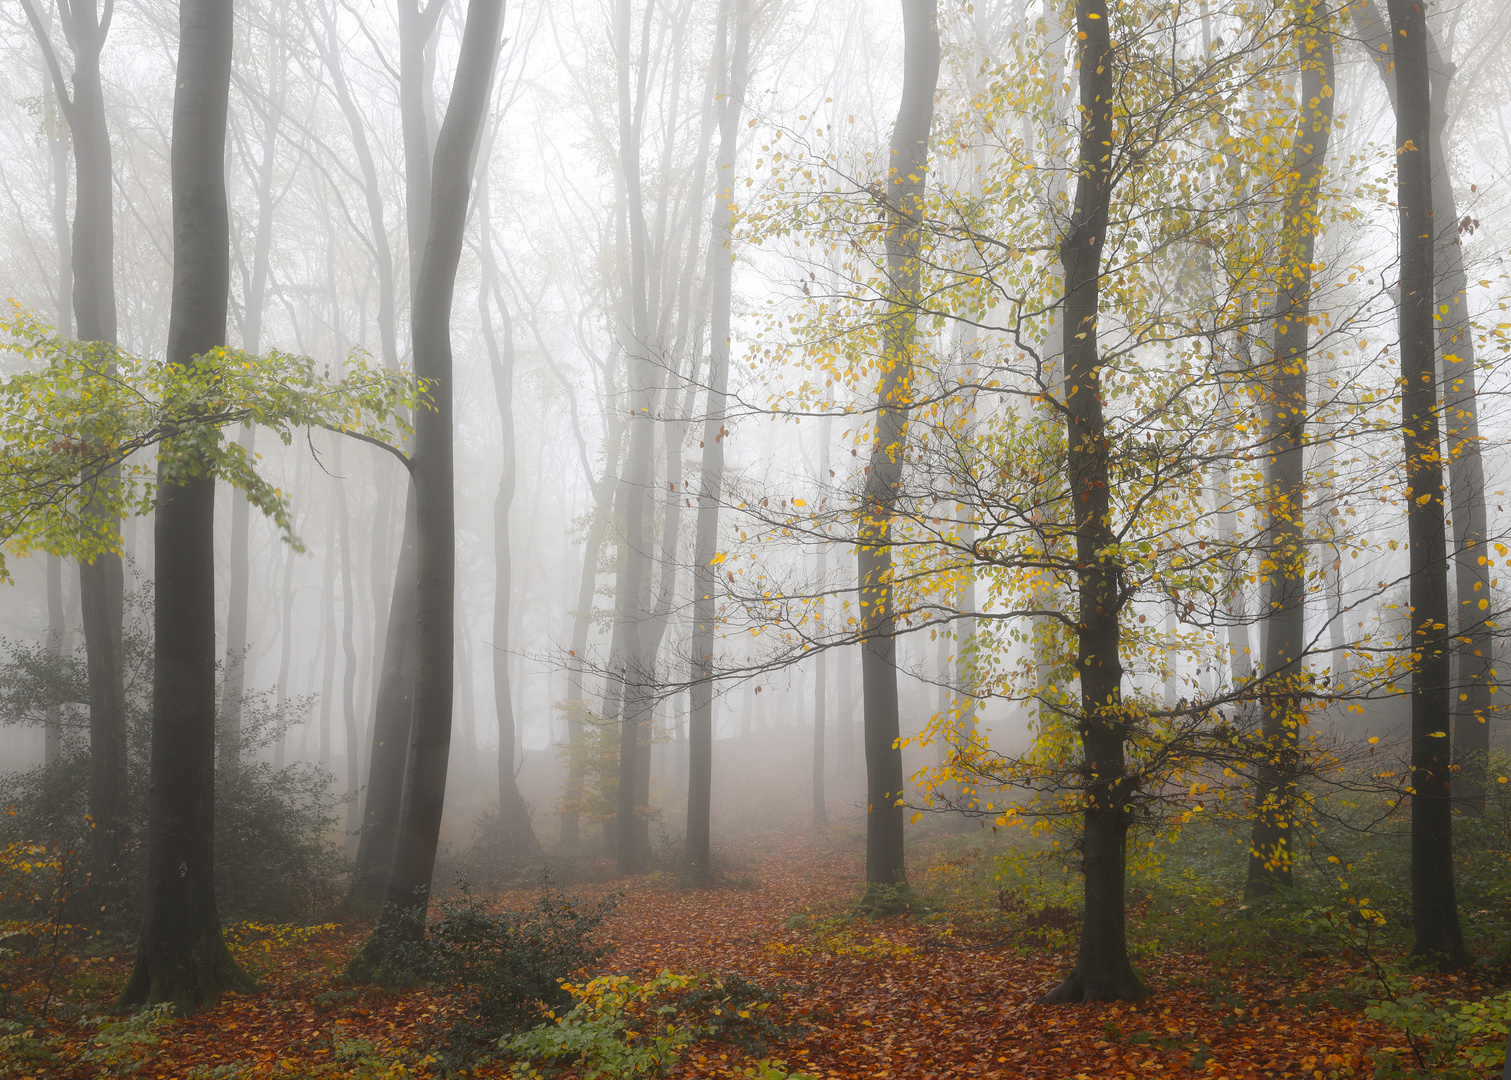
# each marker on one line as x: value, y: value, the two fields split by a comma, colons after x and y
x: 1435, y: 920
x: 181, y: 957
x: 1270, y: 846
x: 393, y: 710
x: 907, y: 172
x: 408, y: 887
x: 700, y: 731
x: 1103, y: 971
x: 1473, y: 648
x: 392, y: 715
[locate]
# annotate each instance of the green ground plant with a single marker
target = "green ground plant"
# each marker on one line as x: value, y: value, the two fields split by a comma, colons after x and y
x: 619, y: 1029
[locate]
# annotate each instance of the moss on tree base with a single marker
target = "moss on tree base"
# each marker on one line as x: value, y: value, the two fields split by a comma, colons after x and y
x: 188, y: 976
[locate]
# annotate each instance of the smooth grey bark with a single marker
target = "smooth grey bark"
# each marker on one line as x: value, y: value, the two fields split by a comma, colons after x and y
x: 1286, y: 411
x: 392, y: 717
x: 52, y: 739
x: 181, y: 956
x: 394, y: 704
x: 57, y: 146
x: 92, y: 275
x: 700, y: 729
x: 516, y: 835
x: 1103, y: 971
x: 393, y: 710
x: 632, y: 660
x: 903, y: 193
x: 348, y: 644
x: 582, y: 625
x: 1472, y: 648
x: 327, y: 643
x: 1434, y: 908
x: 844, y: 709
x: 417, y: 27
x: 285, y: 650
x: 254, y: 293
x: 821, y: 662
x: 409, y: 879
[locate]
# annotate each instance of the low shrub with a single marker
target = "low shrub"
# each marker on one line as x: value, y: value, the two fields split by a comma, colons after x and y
x: 509, y: 968
x: 619, y: 1029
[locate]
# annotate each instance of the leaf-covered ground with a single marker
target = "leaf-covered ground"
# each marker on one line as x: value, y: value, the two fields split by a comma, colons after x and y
x: 897, y: 997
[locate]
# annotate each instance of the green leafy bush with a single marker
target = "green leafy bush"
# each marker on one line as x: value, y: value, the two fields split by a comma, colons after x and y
x: 620, y: 1029
x: 614, y: 1030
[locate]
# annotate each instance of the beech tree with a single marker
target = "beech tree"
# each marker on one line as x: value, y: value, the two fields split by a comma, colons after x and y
x: 181, y: 956
x: 1287, y: 408
x: 93, y: 308
x: 907, y: 170
x: 1435, y: 920
x: 407, y: 888
x: 735, y: 29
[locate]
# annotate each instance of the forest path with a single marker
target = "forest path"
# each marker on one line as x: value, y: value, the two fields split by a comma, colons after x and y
x: 904, y: 997
x: 947, y: 995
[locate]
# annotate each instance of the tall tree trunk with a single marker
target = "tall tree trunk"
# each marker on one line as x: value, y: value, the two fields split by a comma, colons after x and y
x: 57, y: 145
x: 393, y: 710
x: 632, y: 826
x: 821, y: 662
x: 582, y: 625
x: 408, y: 887
x: 254, y: 288
x: 92, y: 274
x: 1270, y: 845
x: 1435, y: 920
x: 348, y: 646
x: 516, y: 834
x: 700, y: 727
x: 844, y: 714
x: 904, y: 190
x: 392, y: 715
x: 328, y: 641
x: 1103, y: 971
x: 52, y: 737
x: 181, y: 956
x: 1473, y: 648
x: 285, y: 654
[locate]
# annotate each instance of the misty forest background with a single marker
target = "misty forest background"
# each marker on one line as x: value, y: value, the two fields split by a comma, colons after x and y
x: 1069, y: 429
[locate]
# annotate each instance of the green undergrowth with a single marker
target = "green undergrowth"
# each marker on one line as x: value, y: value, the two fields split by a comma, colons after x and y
x: 619, y: 1029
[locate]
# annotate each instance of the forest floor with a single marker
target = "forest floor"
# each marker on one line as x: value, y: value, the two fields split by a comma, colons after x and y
x: 896, y: 997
